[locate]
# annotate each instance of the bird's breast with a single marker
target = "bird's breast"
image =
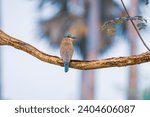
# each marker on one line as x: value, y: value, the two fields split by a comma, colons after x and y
x: 66, y: 50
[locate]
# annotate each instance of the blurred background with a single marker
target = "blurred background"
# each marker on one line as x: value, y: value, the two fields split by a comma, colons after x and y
x: 42, y: 23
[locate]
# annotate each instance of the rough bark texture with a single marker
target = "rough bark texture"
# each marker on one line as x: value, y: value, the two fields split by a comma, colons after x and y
x: 76, y: 64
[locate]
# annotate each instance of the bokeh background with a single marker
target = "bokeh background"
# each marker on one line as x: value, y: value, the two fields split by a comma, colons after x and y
x: 43, y: 23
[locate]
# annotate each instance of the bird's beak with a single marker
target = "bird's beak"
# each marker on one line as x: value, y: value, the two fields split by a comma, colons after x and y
x: 73, y: 37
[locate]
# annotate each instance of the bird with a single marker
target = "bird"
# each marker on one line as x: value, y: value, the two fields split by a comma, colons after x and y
x: 66, y: 50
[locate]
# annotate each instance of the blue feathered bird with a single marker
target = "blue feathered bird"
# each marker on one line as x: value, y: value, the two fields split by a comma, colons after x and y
x: 66, y: 50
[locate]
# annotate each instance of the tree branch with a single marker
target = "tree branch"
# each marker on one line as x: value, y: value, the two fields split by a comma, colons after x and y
x: 135, y: 26
x: 76, y: 64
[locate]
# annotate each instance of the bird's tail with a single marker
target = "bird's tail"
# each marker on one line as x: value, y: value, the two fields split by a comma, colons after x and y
x: 66, y: 66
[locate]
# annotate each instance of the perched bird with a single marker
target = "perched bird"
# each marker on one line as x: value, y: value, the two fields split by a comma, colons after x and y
x: 66, y: 50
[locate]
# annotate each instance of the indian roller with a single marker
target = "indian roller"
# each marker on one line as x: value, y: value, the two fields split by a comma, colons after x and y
x: 66, y: 50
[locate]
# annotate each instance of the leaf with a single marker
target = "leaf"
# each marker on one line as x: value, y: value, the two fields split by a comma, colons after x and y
x: 111, y: 31
x: 109, y: 26
x: 146, y: 2
x: 141, y: 26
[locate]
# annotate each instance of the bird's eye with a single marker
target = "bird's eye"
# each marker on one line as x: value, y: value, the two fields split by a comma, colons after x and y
x: 67, y: 35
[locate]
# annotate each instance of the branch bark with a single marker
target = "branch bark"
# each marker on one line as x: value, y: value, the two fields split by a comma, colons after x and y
x: 76, y: 64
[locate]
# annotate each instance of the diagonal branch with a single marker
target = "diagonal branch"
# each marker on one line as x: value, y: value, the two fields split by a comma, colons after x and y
x: 135, y: 26
x: 76, y: 64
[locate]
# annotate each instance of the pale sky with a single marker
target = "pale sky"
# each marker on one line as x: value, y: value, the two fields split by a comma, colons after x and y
x: 25, y: 77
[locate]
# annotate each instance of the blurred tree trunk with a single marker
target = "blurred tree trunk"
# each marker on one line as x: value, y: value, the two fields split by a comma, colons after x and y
x: 132, y: 94
x: 93, y: 37
x: 0, y: 55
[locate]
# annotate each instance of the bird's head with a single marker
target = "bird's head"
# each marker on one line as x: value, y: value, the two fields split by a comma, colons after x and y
x: 70, y: 36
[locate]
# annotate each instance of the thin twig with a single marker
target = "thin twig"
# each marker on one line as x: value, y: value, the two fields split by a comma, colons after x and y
x: 135, y: 26
x: 76, y: 64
